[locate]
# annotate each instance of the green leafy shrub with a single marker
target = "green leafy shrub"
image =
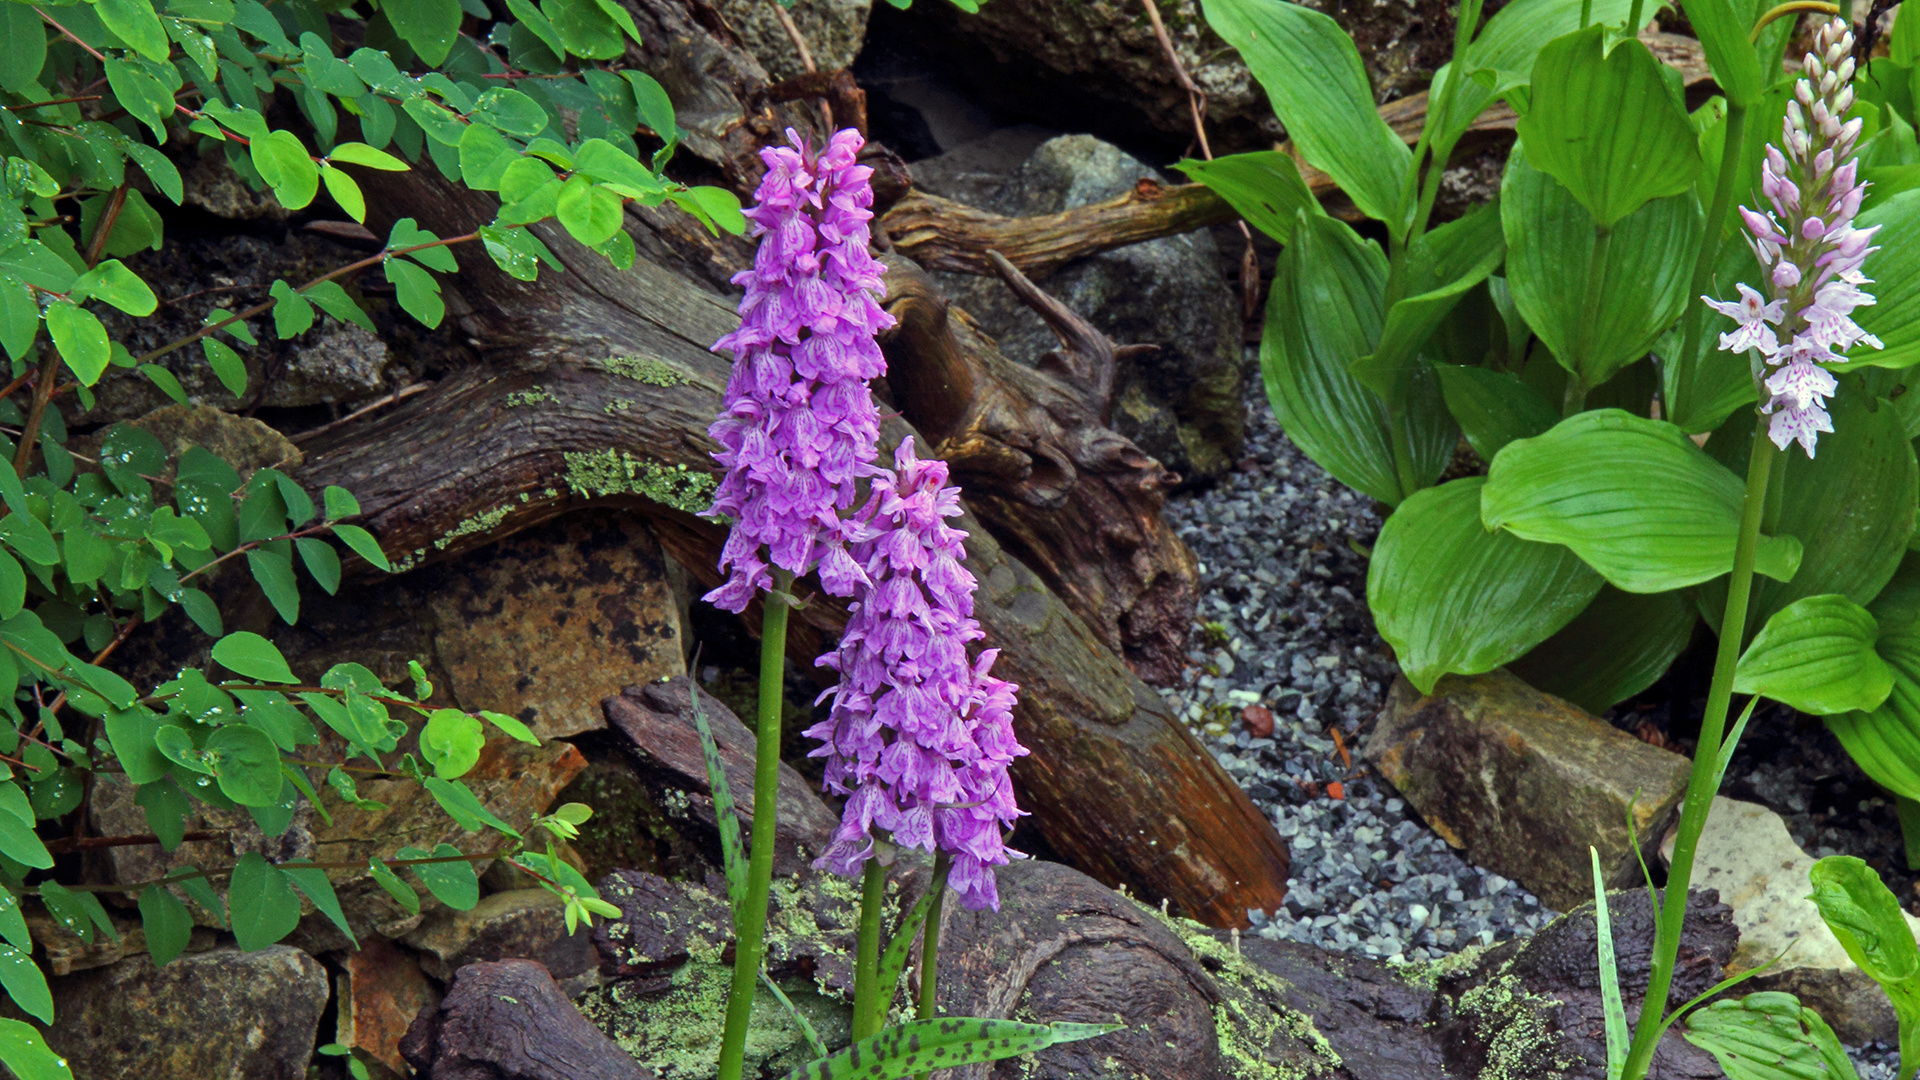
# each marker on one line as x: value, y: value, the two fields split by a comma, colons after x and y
x: 100, y: 103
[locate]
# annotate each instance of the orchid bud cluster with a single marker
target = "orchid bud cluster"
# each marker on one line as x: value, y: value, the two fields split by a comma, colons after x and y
x: 919, y: 736
x: 1809, y: 247
x: 799, y: 426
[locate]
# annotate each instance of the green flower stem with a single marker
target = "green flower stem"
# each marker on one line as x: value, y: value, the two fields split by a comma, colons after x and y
x: 930, y: 937
x: 1577, y: 387
x: 869, y: 1006
x: 750, y: 935
x: 930, y: 943
x: 1708, y: 257
x: 1706, y: 756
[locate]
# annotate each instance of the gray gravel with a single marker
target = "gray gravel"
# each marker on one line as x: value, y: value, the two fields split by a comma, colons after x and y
x: 1283, y: 623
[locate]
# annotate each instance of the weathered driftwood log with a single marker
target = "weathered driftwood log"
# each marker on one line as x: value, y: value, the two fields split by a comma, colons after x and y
x: 508, y: 1020
x: 941, y: 234
x: 1020, y: 439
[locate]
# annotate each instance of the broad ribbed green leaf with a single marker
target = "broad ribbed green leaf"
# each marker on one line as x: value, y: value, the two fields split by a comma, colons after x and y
x: 1606, y: 125
x: 1451, y: 597
x: 1633, y: 497
x: 1639, y: 291
x: 1514, y: 37
x: 1769, y: 1036
x: 168, y: 925
x: 1611, y: 651
x: 1323, y: 312
x: 1863, y: 913
x: 1723, y: 35
x: 1493, y: 408
x: 1885, y: 743
x: 923, y: 1045
x: 1264, y: 187
x: 1895, y: 316
x: 1312, y: 73
x: 1700, y: 396
x: 1817, y: 656
x: 1852, y: 506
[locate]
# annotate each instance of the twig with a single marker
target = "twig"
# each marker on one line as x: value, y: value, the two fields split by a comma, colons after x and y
x: 1197, y: 105
x: 806, y: 54
x: 378, y: 403
x: 94, y: 843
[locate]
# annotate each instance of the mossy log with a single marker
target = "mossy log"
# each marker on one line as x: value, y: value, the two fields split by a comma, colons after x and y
x: 595, y: 385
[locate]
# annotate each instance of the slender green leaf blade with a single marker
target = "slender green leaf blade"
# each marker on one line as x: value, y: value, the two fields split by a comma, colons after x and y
x: 922, y: 1045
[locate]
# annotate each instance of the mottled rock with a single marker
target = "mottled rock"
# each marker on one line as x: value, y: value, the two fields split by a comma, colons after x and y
x: 1747, y: 855
x: 661, y: 738
x: 548, y: 622
x: 509, y: 1021
x: 211, y: 185
x: 220, y: 1015
x: 240, y: 441
x: 381, y: 990
x: 515, y: 781
x: 671, y: 957
x: 1183, y: 403
x: 832, y: 29
x: 66, y: 952
x: 521, y: 924
x: 1524, y: 783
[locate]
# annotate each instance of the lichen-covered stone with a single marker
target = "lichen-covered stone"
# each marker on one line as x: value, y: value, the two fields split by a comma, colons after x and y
x: 547, y: 623
x: 1524, y: 783
x: 1185, y: 402
x: 832, y: 29
x: 220, y: 1015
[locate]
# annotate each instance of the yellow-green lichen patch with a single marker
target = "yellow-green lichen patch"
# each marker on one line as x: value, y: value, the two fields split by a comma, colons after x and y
x: 532, y: 395
x: 479, y: 524
x: 1426, y: 974
x: 1509, y: 1020
x: 645, y: 369
x: 677, y: 1032
x: 1259, y: 1036
x: 598, y: 473
x: 617, y: 406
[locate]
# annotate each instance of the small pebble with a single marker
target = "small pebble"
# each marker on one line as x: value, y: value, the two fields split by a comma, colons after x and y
x: 1258, y: 720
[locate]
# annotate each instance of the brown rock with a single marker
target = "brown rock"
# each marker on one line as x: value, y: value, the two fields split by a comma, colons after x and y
x: 1258, y: 720
x: 660, y: 736
x: 381, y: 990
x: 545, y: 624
x: 523, y: 924
x: 1524, y: 782
x: 67, y: 952
x: 508, y: 1021
x: 516, y: 781
x: 218, y: 1014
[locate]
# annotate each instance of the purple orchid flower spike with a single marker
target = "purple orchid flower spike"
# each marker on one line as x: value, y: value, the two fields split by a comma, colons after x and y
x: 1809, y: 247
x: 920, y: 736
x: 799, y: 427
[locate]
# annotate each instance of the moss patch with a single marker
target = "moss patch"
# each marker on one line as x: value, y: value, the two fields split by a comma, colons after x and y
x: 478, y: 524
x: 677, y: 1033
x: 645, y: 369
x: 1253, y: 1024
x: 599, y: 473
x: 533, y: 395
x: 1509, y: 1021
